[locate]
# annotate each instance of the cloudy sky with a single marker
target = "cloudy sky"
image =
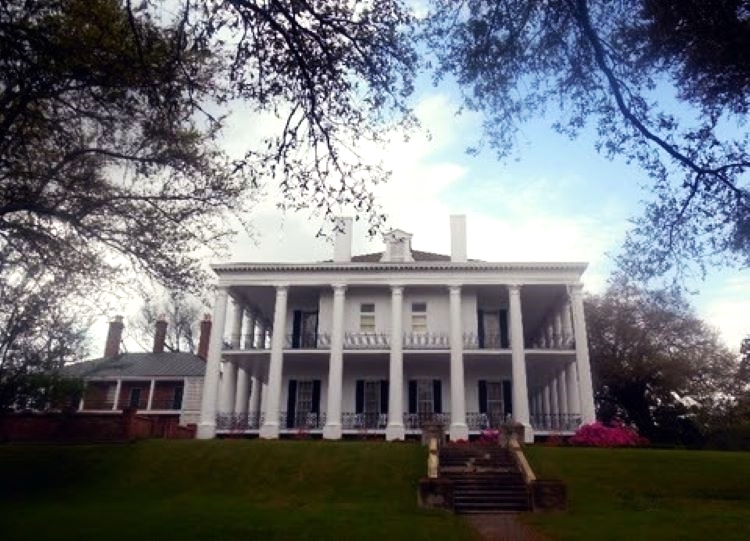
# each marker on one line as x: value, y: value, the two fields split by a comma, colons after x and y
x: 557, y: 200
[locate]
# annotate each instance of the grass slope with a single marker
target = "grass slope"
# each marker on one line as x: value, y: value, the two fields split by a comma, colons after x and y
x: 239, y: 489
x: 647, y: 494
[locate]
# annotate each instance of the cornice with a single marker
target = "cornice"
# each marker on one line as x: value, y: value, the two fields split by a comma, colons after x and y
x: 237, y: 268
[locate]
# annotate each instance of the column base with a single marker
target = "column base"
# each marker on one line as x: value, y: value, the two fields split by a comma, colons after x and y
x: 395, y: 433
x: 458, y: 432
x: 205, y: 431
x: 332, y: 432
x: 269, y: 432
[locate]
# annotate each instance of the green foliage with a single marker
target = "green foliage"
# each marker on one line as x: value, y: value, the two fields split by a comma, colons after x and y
x: 663, y: 84
x: 231, y: 489
x: 654, y: 363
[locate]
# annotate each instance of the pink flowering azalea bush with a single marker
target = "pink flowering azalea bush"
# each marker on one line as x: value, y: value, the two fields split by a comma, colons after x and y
x: 600, y: 435
x: 489, y: 436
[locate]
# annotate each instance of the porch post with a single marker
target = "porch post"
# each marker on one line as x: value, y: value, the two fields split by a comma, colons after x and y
x: 270, y: 428
x: 255, y: 391
x: 207, y: 425
x: 151, y: 394
x: 395, y: 428
x: 458, y: 429
x: 562, y: 392
x: 332, y: 428
x: 554, y: 401
x: 558, y: 331
x: 518, y: 359
x: 567, y: 325
x: 582, y: 355
x: 249, y: 330
x: 116, y: 401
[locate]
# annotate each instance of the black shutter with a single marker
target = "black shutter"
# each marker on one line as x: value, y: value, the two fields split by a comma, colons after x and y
x: 482, y: 396
x: 359, y: 397
x: 480, y: 328
x: 437, y: 395
x: 316, y: 396
x: 412, y: 396
x: 291, y: 403
x: 384, y: 396
x: 504, y: 342
x: 507, y: 397
x: 296, y: 328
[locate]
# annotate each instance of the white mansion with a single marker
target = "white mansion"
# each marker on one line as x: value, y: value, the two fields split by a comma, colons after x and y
x: 381, y: 343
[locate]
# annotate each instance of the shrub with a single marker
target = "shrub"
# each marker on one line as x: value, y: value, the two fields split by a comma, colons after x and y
x: 600, y: 435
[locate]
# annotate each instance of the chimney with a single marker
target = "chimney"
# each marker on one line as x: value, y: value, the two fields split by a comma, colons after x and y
x: 458, y: 238
x: 342, y: 249
x: 114, y: 336
x: 205, y: 337
x: 160, y: 336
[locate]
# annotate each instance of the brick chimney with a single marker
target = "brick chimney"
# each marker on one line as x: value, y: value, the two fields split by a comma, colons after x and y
x: 160, y: 335
x: 204, y: 337
x: 114, y: 337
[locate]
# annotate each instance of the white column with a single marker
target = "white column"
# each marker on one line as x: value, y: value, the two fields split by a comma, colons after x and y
x: 207, y: 425
x: 571, y: 378
x: 518, y: 359
x: 243, y: 391
x: 562, y: 393
x: 116, y: 401
x: 228, y: 389
x: 558, y: 331
x: 395, y: 428
x: 554, y: 401
x: 249, y: 338
x: 567, y: 325
x: 255, y: 390
x: 270, y: 428
x: 458, y: 429
x: 582, y: 355
x: 550, y: 335
x: 332, y: 428
x: 546, y: 402
x: 151, y: 394
x: 237, y: 325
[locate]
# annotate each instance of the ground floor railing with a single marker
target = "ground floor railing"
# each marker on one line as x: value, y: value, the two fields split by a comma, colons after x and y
x: 484, y: 421
x: 556, y: 422
x: 364, y: 421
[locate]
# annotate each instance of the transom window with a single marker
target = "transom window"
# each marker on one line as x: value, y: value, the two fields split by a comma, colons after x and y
x: 367, y: 317
x: 419, y: 317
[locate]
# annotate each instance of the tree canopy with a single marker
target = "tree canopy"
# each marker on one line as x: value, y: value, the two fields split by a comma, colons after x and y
x: 664, y: 84
x: 654, y: 362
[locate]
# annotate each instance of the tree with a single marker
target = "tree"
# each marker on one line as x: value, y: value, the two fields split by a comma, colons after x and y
x: 614, y: 65
x: 110, y: 118
x: 182, y: 315
x: 654, y: 363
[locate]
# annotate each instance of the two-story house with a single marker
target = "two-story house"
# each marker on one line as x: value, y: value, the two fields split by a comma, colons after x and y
x: 383, y: 342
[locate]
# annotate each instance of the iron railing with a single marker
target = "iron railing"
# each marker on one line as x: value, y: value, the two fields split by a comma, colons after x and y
x: 556, y: 422
x: 415, y: 421
x: 239, y: 421
x: 483, y: 421
x: 364, y: 421
x: 302, y: 421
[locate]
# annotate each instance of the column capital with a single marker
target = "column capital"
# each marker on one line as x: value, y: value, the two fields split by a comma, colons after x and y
x: 575, y: 289
x: 282, y: 289
x: 397, y: 289
x: 514, y: 289
x: 338, y: 288
x: 454, y: 289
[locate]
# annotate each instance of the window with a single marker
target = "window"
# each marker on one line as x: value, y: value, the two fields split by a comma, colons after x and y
x: 425, y: 396
x: 495, y: 398
x: 419, y: 317
x: 304, y: 398
x: 367, y: 317
x: 135, y: 398
x: 372, y: 397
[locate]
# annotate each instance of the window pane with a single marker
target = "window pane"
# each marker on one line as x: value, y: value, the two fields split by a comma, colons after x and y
x: 372, y: 397
x: 367, y: 308
x: 419, y: 307
x: 419, y: 323
x: 367, y: 323
x: 304, y: 398
x: 425, y: 402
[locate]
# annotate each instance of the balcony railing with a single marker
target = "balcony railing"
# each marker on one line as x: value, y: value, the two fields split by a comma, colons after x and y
x: 556, y: 423
x: 366, y: 340
x: 485, y: 341
x: 239, y: 421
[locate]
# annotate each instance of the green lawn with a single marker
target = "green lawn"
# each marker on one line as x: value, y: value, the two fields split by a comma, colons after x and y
x: 647, y: 494
x: 223, y: 490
